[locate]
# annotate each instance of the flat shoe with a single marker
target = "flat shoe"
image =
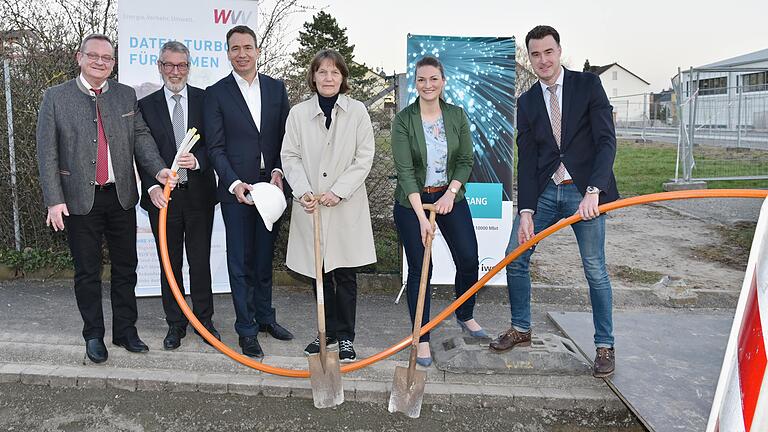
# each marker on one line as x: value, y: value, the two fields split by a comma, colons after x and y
x: 424, y: 361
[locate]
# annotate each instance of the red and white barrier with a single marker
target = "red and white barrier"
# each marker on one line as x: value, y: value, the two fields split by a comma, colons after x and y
x: 741, y: 398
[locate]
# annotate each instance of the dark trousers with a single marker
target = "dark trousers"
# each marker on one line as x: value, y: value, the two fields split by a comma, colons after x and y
x: 84, y: 234
x: 189, y: 224
x: 250, y: 247
x: 459, y: 233
x: 340, y: 296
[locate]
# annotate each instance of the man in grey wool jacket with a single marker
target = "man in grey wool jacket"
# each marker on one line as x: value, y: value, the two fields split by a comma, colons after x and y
x: 89, y: 132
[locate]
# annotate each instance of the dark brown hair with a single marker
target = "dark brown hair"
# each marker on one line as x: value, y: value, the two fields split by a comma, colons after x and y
x: 244, y: 30
x: 431, y: 61
x: 540, y: 32
x: 338, y: 61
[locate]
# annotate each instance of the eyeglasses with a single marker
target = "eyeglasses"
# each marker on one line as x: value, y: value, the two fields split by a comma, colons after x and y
x: 168, y: 67
x: 104, y: 58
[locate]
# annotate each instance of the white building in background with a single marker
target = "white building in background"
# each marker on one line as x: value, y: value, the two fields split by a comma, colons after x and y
x: 628, y: 93
x: 732, y: 93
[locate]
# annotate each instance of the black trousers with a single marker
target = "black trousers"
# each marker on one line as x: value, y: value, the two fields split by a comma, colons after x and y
x: 189, y: 225
x: 340, y: 296
x: 250, y: 249
x: 84, y: 234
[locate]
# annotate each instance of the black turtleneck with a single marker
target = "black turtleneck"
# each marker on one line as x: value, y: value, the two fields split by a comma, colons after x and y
x: 326, y: 104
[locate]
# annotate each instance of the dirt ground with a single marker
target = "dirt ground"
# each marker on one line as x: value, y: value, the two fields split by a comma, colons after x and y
x: 643, y: 244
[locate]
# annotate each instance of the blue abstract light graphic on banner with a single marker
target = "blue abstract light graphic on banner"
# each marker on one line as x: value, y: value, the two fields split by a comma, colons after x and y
x: 480, y: 77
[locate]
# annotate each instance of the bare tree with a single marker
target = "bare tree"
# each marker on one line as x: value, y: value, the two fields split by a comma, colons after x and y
x: 276, y: 33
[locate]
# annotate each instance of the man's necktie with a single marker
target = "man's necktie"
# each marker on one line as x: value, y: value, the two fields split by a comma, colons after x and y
x: 177, y: 119
x: 555, y: 118
x: 102, y: 147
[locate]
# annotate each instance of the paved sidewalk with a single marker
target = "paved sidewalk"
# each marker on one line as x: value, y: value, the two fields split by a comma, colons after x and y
x: 41, y: 344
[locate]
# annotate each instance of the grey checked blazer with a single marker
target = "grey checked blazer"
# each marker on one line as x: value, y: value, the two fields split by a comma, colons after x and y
x: 67, y: 139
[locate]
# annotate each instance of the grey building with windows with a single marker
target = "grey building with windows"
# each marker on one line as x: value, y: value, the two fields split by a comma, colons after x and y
x: 730, y: 93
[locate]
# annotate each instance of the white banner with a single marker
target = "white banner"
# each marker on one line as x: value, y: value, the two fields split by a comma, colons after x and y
x: 143, y: 27
x: 741, y: 398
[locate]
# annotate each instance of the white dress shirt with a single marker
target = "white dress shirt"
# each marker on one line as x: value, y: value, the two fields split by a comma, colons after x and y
x: 252, y: 95
x: 86, y: 84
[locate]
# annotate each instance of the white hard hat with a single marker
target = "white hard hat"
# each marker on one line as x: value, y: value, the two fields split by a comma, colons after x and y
x: 269, y: 201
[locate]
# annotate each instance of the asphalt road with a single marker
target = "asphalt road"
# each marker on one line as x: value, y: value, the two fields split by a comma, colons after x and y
x: 41, y: 408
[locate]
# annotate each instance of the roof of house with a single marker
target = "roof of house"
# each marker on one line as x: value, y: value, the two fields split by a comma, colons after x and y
x: 598, y: 70
x: 743, y: 59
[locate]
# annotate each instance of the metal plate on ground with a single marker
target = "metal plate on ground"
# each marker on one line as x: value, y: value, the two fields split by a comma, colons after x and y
x: 667, y: 364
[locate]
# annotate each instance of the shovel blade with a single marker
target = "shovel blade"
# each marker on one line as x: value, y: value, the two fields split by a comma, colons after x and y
x: 327, y: 390
x: 406, y: 396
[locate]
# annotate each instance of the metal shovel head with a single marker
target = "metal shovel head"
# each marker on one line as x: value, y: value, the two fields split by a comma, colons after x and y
x: 327, y: 390
x: 406, y: 397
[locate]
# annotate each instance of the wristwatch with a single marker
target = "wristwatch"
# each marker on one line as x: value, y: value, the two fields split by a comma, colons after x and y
x: 454, y: 190
x: 592, y: 190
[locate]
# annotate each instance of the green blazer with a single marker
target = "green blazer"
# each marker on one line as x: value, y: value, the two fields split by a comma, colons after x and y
x: 409, y: 149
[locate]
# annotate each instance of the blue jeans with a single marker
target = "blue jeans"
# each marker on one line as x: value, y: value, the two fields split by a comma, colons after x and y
x: 555, y: 203
x: 459, y: 233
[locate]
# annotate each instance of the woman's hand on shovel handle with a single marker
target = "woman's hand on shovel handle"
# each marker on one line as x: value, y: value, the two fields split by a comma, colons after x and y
x: 309, y: 203
x: 426, y: 230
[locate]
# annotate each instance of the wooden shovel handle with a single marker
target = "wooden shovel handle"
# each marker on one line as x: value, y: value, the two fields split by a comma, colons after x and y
x: 319, y: 286
x: 422, y: 288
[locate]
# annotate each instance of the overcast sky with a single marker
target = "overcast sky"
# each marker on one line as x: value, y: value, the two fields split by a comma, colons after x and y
x: 651, y: 38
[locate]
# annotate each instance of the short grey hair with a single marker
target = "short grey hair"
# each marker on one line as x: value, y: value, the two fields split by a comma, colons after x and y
x: 174, y: 46
x: 96, y: 36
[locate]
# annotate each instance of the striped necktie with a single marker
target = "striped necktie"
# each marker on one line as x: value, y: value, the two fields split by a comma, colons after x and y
x: 179, y: 130
x: 555, y: 118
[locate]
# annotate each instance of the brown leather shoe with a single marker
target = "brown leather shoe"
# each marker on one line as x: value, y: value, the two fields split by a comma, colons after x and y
x: 510, y: 339
x: 605, y: 363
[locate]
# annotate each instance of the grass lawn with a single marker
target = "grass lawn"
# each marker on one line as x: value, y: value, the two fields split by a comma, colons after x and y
x: 642, y: 168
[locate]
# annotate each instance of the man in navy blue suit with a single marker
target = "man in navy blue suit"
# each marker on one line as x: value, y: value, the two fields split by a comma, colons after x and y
x: 169, y: 113
x: 244, y: 119
x: 566, y: 146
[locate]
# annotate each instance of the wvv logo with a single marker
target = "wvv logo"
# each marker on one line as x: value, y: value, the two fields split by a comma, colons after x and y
x: 228, y: 16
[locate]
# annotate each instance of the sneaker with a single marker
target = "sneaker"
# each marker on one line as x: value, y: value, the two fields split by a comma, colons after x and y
x: 605, y: 363
x: 346, y: 351
x: 314, y: 346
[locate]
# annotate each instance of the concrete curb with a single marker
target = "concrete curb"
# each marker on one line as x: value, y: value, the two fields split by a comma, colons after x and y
x: 453, y: 394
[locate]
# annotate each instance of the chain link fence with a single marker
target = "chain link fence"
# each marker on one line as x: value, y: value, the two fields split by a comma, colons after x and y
x: 723, y: 127
x: 721, y: 131
x: 645, y: 116
x: 29, y: 76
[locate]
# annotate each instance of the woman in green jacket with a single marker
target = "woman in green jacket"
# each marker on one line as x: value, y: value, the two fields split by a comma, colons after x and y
x: 432, y: 149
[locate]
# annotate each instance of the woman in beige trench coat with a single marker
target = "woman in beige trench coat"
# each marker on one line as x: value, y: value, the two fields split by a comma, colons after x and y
x: 327, y: 154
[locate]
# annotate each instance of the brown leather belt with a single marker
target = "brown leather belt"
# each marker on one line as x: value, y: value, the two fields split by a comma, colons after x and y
x: 434, y: 189
x: 566, y: 182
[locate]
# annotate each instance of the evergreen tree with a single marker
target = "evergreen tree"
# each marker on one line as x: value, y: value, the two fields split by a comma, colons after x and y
x: 324, y: 32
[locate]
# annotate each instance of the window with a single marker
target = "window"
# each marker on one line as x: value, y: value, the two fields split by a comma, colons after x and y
x: 753, y: 82
x: 614, y: 75
x: 712, y: 86
x: 615, y: 92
